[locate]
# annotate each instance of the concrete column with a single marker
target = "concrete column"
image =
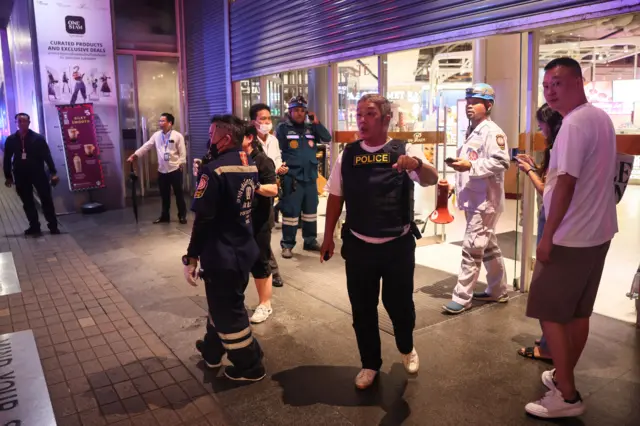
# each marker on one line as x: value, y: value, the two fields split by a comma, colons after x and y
x: 382, y: 75
x: 502, y: 70
x: 479, y: 60
x: 319, y: 92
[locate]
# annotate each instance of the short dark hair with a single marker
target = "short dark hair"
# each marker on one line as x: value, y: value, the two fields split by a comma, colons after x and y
x: 256, y: 108
x: 22, y: 114
x: 170, y: 118
x: 233, y: 124
x: 565, y: 61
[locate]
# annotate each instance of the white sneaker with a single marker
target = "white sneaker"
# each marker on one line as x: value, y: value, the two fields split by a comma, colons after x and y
x: 365, y: 378
x: 261, y: 314
x: 411, y: 362
x: 547, y: 379
x: 553, y: 406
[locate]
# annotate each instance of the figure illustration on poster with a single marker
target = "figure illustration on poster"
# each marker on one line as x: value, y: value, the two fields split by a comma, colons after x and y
x: 51, y: 86
x: 105, y: 89
x: 65, y: 82
x: 94, y: 86
x: 79, y: 86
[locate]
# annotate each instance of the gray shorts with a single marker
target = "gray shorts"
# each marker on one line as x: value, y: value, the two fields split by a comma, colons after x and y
x: 565, y: 288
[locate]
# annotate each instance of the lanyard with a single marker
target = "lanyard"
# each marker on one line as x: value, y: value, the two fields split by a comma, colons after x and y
x: 166, y: 140
x: 22, y: 141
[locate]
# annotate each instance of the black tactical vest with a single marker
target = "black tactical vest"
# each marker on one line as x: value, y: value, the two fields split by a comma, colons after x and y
x: 379, y: 199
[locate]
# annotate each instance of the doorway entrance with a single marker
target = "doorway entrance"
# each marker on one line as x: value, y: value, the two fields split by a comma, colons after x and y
x: 149, y: 86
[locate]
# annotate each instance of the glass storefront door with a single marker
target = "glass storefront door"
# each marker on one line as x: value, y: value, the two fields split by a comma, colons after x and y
x: 148, y: 87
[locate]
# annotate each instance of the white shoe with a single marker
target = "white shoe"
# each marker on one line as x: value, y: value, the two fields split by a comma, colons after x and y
x: 547, y: 379
x: 365, y: 378
x: 553, y: 406
x: 411, y: 362
x: 261, y: 314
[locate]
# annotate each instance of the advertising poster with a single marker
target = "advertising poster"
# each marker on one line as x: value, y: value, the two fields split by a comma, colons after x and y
x: 82, y: 152
x: 75, y: 53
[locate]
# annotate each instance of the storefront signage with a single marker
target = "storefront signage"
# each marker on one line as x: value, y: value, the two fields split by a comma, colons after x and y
x: 24, y: 398
x: 76, y: 62
x: 423, y: 138
x: 82, y: 152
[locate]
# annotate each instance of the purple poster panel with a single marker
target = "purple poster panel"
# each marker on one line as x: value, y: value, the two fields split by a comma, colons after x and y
x: 82, y: 154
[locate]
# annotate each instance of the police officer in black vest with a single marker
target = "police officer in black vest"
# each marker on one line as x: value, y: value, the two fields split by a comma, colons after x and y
x: 374, y: 177
x: 222, y: 240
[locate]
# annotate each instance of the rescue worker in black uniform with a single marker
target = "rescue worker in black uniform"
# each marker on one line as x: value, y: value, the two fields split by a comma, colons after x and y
x: 28, y: 152
x: 299, y: 141
x: 375, y: 178
x: 222, y: 240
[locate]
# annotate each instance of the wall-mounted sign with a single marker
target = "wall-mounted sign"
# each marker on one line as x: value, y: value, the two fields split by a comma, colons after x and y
x: 82, y: 152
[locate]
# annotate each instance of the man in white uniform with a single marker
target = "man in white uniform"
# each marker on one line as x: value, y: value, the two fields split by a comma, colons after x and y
x: 172, y: 156
x: 481, y: 162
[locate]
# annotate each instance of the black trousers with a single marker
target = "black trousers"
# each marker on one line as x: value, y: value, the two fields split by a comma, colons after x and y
x: 273, y: 264
x: 367, y: 265
x: 24, y: 188
x: 166, y: 181
x: 230, y: 331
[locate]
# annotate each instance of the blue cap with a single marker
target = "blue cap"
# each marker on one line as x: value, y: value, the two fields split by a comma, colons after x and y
x: 481, y: 91
x: 298, y: 101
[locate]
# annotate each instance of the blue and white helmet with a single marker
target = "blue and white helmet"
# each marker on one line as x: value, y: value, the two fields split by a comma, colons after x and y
x: 298, y: 101
x: 481, y: 91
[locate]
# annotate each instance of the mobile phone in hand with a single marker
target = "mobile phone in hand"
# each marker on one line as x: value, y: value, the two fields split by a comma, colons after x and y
x: 514, y: 153
x: 449, y: 160
x: 312, y: 117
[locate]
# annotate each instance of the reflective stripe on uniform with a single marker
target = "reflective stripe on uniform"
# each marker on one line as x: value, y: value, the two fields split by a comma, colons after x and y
x: 309, y: 217
x: 291, y: 221
x: 236, y: 169
x: 238, y: 340
x: 235, y: 336
x: 238, y: 345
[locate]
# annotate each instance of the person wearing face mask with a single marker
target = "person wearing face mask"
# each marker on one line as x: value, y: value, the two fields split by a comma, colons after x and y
x: 260, y: 115
x: 298, y: 140
x: 222, y: 242
x: 481, y: 164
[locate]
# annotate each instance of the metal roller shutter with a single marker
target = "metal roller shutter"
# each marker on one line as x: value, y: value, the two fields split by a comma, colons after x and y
x: 269, y: 36
x: 208, y: 91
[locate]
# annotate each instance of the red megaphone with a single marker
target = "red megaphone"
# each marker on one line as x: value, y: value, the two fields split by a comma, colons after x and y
x: 441, y: 214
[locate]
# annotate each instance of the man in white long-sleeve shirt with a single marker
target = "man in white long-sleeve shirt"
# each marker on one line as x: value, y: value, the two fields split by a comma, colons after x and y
x: 172, y: 156
x: 480, y: 165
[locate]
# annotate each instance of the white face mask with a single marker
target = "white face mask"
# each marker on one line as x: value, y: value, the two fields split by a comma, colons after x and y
x: 264, y: 128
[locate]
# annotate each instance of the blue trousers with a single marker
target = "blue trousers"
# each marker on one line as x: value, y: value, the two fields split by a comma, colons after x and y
x: 298, y: 197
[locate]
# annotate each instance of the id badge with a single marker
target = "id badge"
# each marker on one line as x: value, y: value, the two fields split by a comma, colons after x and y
x: 24, y: 155
x: 166, y: 156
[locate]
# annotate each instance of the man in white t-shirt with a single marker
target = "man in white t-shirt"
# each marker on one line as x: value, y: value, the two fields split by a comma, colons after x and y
x: 374, y: 177
x: 580, y: 204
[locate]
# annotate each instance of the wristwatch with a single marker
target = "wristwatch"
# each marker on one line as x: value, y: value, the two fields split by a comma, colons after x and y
x: 186, y: 260
x: 419, y: 164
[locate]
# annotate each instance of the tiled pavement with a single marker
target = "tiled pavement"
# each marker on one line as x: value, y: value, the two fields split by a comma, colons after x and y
x: 102, y: 362
x: 129, y: 367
